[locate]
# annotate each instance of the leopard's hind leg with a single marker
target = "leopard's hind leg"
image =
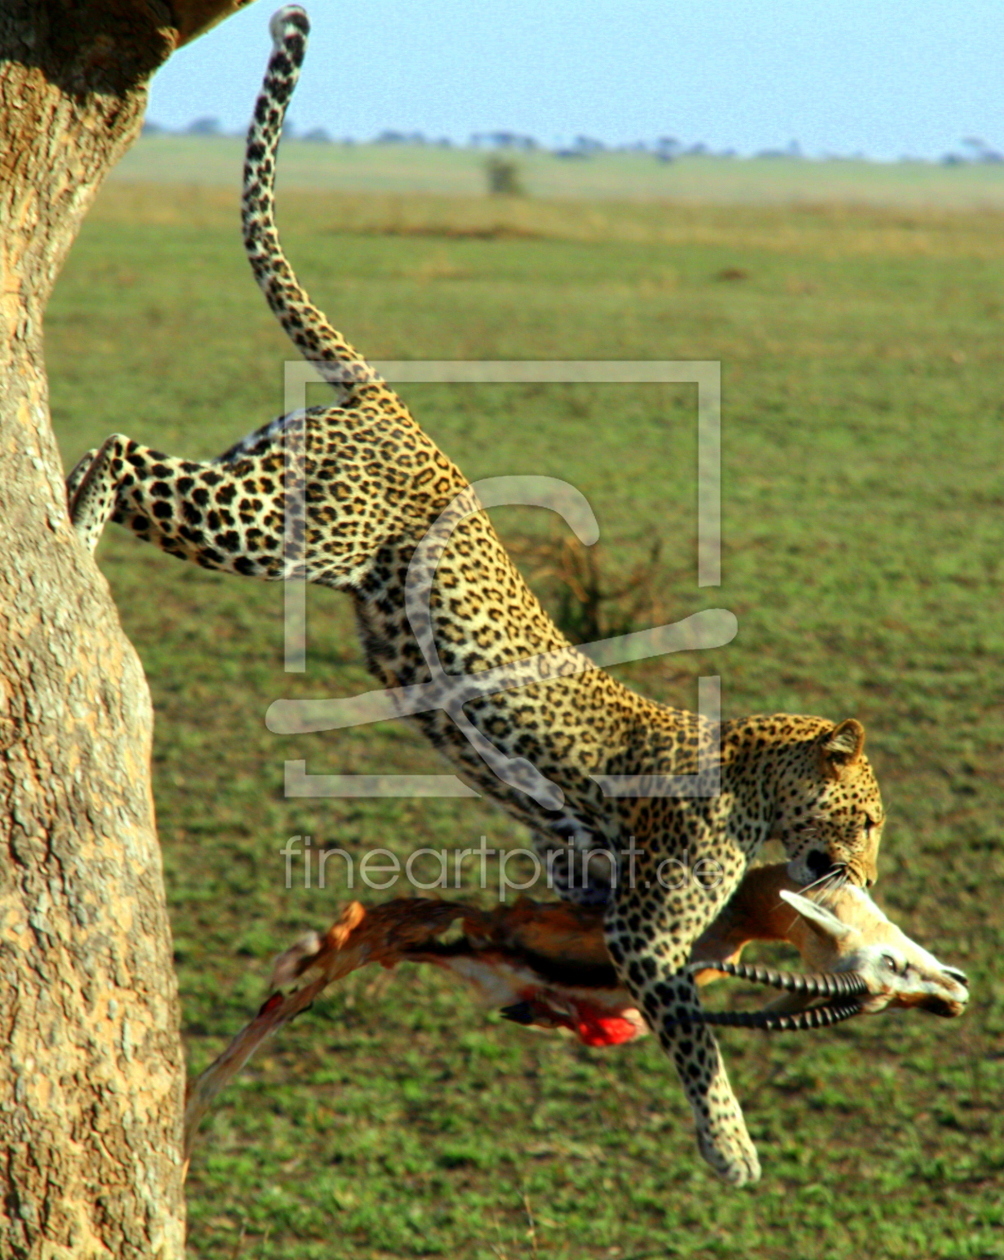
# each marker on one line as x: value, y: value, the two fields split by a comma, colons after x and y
x: 92, y: 489
x: 189, y: 509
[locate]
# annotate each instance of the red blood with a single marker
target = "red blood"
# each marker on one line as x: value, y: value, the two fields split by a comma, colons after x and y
x: 270, y: 1004
x: 603, y: 1030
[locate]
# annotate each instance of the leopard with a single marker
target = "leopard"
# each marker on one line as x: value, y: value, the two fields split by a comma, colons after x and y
x: 364, y: 488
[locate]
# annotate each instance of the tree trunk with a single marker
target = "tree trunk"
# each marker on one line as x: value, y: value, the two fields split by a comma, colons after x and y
x: 91, y: 1077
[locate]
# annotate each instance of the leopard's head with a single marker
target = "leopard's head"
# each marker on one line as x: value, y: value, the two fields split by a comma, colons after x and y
x: 829, y: 813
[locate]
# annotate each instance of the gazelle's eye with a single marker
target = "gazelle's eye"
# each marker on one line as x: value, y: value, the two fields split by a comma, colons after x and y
x: 894, y: 964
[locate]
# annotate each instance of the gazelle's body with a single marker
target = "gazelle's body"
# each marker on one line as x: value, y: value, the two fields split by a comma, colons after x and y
x: 543, y: 964
x: 548, y: 964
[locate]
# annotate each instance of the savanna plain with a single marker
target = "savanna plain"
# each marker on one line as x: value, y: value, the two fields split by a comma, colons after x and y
x: 863, y: 518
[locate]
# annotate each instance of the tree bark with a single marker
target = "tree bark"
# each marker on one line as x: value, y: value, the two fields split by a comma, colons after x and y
x: 92, y: 1075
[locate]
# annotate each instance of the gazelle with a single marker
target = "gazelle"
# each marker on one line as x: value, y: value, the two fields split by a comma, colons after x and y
x: 546, y: 964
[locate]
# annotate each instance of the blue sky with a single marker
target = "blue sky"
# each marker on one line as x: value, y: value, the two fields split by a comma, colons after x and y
x: 885, y: 77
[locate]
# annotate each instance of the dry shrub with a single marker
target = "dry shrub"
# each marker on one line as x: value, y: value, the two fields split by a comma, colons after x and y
x: 587, y: 603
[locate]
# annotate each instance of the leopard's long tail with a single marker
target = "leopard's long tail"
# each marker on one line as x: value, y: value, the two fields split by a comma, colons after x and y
x: 336, y: 360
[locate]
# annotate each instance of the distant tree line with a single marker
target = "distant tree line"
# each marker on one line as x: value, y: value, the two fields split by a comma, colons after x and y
x: 664, y: 148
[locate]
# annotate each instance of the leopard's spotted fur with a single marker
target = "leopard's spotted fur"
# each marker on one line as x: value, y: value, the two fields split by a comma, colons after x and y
x: 374, y: 483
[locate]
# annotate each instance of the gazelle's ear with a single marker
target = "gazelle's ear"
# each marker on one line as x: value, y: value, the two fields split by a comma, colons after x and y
x: 821, y: 920
x: 841, y: 748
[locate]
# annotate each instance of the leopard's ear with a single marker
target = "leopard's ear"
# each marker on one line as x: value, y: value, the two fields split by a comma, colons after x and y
x: 841, y: 747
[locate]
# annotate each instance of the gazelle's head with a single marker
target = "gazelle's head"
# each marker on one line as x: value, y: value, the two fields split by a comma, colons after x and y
x: 845, y: 931
x: 860, y: 962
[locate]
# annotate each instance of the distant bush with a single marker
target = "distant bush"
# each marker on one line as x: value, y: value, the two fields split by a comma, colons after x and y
x: 204, y: 127
x: 583, y: 147
x: 502, y: 140
x: 400, y: 137
x: 503, y: 177
x: 980, y: 151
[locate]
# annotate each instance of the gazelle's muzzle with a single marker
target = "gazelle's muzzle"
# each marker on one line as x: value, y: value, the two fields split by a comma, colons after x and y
x: 946, y: 995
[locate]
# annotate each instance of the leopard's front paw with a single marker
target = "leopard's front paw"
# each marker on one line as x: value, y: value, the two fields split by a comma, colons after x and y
x: 731, y: 1153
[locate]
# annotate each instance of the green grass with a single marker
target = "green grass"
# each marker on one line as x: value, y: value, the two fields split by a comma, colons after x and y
x: 406, y: 168
x: 863, y: 496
